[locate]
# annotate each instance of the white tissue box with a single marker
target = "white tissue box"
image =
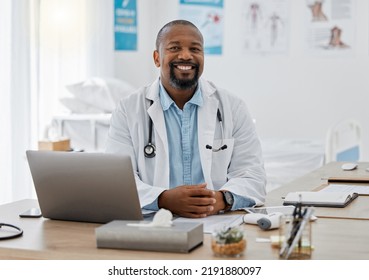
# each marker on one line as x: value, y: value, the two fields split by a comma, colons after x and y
x: 180, y: 237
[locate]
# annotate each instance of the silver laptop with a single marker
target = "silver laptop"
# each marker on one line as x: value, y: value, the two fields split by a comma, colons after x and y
x: 85, y: 187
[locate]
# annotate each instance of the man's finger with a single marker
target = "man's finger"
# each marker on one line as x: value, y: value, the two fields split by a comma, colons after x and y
x: 202, y: 201
x: 201, y: 192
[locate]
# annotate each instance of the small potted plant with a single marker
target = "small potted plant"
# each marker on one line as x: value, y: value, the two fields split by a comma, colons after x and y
x: 229, y: 242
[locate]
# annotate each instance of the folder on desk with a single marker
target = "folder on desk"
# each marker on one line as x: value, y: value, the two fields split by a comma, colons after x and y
x: 351, y: 179
x: 320, y: 199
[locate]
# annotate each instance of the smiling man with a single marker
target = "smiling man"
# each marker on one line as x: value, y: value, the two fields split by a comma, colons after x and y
x: 180, y: 56
x: 193, y: 146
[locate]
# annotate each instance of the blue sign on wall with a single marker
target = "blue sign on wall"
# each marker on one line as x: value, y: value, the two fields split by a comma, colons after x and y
x: 207, y: 15
x: 208, y: 3
x: 125, y: 25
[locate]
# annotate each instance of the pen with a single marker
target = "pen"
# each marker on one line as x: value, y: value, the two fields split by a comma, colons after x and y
x: 297, y: 218
x: 289, y: 240
x: 305, y: 219
x: 296, y: 222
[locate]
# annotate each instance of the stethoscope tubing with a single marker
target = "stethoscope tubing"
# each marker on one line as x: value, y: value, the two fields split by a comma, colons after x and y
x: 150, y: 149
x: 14, y: 235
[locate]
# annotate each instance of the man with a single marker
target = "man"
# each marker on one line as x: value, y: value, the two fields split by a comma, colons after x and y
x: 194, y: 146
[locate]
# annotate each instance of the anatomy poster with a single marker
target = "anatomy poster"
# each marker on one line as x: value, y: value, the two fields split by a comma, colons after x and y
x: 329, y: 27
x: 265, y: 26
x: 207, y: 15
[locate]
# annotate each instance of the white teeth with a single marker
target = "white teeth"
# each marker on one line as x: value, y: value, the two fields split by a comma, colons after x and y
x: 182, y: 67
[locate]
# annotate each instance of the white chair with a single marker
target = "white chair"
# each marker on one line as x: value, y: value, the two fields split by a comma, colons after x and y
x: 343, y: 142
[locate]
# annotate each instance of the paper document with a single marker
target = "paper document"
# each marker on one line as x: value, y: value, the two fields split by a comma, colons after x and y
x: 216, y: 222
x: 362, y: 189
x: 286, y: 210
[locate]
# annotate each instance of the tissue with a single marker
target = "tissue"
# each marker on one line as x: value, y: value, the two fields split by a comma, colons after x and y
x: 162, y: 218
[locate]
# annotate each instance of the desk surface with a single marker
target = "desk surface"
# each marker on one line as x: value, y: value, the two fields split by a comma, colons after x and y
x: 344, y: 238
x: 51, y: 239
x: 358, y: 209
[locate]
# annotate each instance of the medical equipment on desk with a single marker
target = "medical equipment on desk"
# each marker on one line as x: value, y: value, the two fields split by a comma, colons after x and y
x: 264, y: 221
x: 10, y: 231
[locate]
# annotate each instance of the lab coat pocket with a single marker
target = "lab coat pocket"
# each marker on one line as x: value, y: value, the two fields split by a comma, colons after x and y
x: 221, y: 161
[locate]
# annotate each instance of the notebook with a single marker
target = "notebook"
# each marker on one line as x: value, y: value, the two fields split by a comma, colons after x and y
x: 85, y: 187
x: 322, y: 199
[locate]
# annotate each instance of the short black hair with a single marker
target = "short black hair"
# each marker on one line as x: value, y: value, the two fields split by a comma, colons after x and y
x: 170, y: 24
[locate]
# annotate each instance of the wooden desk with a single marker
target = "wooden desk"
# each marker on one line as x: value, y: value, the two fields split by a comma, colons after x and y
x: 50, y: 239
x: 358, y: 209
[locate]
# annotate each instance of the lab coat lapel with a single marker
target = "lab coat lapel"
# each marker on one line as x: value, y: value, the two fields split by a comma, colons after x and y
x: 161, y: 177
x: 206, y: 127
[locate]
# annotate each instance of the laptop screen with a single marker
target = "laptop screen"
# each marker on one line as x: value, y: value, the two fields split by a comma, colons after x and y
x: 85, y: 187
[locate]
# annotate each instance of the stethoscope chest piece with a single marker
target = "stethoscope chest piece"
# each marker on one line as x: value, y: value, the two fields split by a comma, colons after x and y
x: 150, y: 150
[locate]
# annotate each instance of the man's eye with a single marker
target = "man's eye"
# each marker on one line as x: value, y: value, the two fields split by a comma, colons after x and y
x: 174, y: 48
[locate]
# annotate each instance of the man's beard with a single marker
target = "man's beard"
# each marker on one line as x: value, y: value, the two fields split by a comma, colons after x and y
x: 183, y: 83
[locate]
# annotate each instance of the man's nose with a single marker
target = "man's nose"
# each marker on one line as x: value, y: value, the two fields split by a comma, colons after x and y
x: 185, y: 54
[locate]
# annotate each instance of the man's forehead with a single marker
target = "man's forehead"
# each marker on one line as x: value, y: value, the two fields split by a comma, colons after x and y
x: 179, y: 30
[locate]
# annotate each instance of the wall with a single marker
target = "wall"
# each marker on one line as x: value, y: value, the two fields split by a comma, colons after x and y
x: 137, y: 67
x: 292, y: 96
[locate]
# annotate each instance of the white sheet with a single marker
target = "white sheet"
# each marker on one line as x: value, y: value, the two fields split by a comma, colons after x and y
x: 288, y: 159
x: 87, y: 132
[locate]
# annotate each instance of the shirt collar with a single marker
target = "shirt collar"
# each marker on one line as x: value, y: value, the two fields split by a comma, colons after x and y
x: 166, y: 101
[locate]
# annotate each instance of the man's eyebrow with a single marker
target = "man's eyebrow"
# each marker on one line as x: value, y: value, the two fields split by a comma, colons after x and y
x: 173, y: 43
x: 197, y: 43
x: 178, y: 43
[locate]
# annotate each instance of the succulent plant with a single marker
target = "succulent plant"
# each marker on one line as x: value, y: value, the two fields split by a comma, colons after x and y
x: 229, y: 235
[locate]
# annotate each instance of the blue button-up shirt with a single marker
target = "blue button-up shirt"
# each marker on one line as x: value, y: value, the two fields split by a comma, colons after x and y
x: 182, y: 134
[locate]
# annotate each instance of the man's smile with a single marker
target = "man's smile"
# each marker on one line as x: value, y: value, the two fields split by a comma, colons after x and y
x: 184, y: 66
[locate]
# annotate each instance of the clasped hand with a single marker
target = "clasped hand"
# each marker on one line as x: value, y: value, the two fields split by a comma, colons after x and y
x: 192, y: 201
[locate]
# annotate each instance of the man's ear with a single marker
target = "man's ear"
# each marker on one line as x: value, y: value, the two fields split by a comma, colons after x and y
x: 156, y: 58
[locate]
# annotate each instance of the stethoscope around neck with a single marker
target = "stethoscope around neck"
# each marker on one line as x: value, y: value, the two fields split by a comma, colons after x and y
x: 222, y: 145
x: 150, y: 149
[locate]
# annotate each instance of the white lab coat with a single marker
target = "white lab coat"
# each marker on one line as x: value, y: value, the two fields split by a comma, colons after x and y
x: 239, y: 168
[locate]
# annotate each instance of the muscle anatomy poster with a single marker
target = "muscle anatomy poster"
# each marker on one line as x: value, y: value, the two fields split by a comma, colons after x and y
x: 265, y: 26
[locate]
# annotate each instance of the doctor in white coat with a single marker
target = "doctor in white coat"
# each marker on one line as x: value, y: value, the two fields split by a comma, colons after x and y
x: 193, y: 146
